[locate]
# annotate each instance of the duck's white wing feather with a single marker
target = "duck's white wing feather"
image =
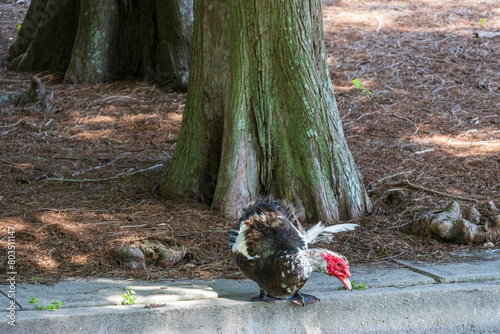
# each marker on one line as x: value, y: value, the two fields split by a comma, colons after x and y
x: 321, y: 233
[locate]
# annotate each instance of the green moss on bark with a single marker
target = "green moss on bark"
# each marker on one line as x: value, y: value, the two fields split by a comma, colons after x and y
x: 281, y: 132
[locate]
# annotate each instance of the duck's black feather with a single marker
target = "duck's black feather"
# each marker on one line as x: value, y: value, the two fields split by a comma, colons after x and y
x: 265, y: 241
x: 270, y: 250
x: 268, y: 204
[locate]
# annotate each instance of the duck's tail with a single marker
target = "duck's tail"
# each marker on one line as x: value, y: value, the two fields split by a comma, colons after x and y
x: 321, y: 233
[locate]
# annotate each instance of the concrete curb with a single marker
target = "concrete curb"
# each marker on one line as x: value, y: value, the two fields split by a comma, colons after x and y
x: 401, y: 298
x: 437, y: 308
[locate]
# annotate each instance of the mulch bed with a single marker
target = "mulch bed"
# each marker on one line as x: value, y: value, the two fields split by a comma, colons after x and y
x: 427, y: 111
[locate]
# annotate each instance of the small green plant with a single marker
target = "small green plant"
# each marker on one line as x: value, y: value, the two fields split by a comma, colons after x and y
x: 52, y: 307
x: 359, y: 85
x: 36, y: 279
x: 361, y: 285
x: 402, y: 6
x: 128, y: 299
x: 19, y: 25
x: 484, y: 22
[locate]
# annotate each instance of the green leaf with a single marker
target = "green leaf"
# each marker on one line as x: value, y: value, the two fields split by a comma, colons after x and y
x: 127, y: 296
x: 54, y: 306
x: 357, y: 83
x: 361, y: 285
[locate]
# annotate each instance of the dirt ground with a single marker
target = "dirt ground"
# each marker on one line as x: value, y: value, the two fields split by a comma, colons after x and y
x: 427, y: 110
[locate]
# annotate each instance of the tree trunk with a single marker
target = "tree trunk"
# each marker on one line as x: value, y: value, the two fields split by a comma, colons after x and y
x: 175, y: 35
x: 261, y: 116
x: 46, y: 36
x: 92, y: 53
x: 94, y: 41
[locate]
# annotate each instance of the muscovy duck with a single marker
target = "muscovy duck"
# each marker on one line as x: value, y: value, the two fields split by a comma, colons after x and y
x: 275, y: 254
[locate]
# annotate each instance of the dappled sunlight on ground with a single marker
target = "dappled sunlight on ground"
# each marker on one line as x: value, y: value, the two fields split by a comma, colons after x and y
x: 80, y: 259
x: 412, y: 16
x: 427, y: 110
x: 462, y: 147
x: 94, y: 134
x: 97, y: 119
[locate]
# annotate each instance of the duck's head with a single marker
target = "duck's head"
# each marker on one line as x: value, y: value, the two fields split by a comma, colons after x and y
x: 337, y: 266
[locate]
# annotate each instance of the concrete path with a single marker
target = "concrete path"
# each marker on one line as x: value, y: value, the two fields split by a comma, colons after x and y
x: 401, y: 297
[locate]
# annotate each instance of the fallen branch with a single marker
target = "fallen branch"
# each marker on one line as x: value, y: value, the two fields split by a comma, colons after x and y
x: 50, y: 77
x: 130, y: 226
x: 11, y: 125
x: 409, y: 121
x: 391, y: 257
x: 104, y: 179
x: 408, y: 184
x: 8, y: 162
x: 393, y: 175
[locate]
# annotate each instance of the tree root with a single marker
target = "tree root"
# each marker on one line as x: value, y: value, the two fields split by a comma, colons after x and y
x: 408, y: 184
x: 106, y: 178
x: 35, y: 94
x: 50, y: 77
x: 461, y: 226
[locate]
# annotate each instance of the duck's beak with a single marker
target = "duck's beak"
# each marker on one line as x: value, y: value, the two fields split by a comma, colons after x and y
x: 347, y: 282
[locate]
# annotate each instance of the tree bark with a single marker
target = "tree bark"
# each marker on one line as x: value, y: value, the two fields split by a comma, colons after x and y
x: 46, y: 36
x: 261, y: 116
x: 94, y: 41
x: 92, y: 53
x: 193, y: 170
x: 174, y: 36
